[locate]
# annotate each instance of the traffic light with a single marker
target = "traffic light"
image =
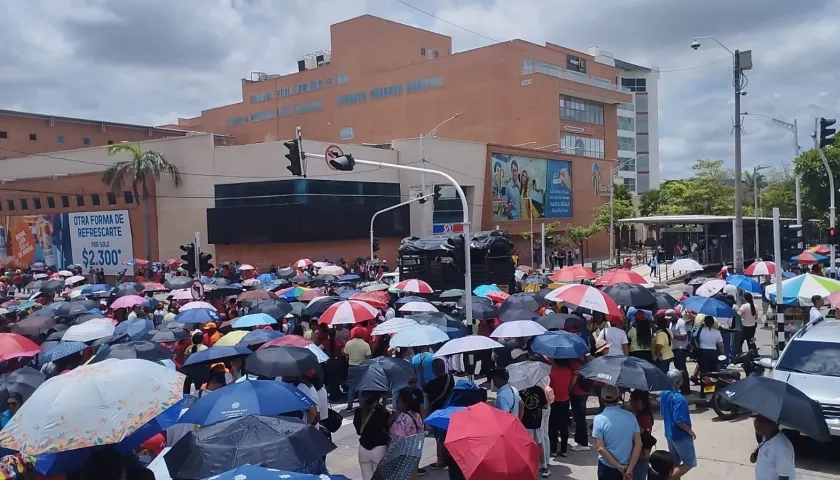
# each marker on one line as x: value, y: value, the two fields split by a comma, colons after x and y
x: 791, y: 241
x: 436, y: 191
x: 344, y: 163
x: 375, y: 244
x: 832, y: 236
x: 295, y: 156
x: 826, y: 139
x: 204, y: 262
x: 188, y: 257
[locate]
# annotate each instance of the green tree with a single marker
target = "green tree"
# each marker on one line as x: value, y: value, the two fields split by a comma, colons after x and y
x: 649, y: 202
x: 814, y: 184
x: 139, y: 170
x: 579, y: 235
x: 780, y: 192
x: 554, y: 237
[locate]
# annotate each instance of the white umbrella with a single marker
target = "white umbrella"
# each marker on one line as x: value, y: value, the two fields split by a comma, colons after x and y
x: 332, y: 270
x: 377, y: 287
x: 686, y: 265
x: 65, y: 273
x: 191, y: 305
x: 250, y: 282
x: 320, y: 264
x: 472, y: 343
x: 527, y: 374
x: 89, y: 331
x: 418, y: 336
x: 181, y: 294
x: 418, y: 307
x: 93, y: 405
x: 74, y: 279
x: 710, y: 288
x: 246, y: 266
x: 518, y: 328
x: 393, y: 325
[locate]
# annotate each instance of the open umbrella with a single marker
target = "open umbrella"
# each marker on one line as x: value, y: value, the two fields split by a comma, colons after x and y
x: 559, y: 321
x: 440, y: 418
x: 288, y: 341
x: 573, y: 273
x: 128, y: 301
x: 130, y: 288
x: 248, y: 397
x: 231, y: 339
x: 254, y: 320
x: 61, y: 350
x: 111, y: 400
x: 800, y: 289
x: 626, y: 372
x: 139, y: 349
x: 524, y: 375
x: 453, y: 293
x: 472, y: 343
x: 744, y: 283
x: 178, y: 283
x: 375, y: 300
x: 450, y: 325
x: 74, y: 280
x: 523, y: 301
x: 33, y: 325
x: 586, y: 297
x: 760, y: 268
x: 23, y: 381
x: 708, y: 306
x: 612, y: 277
x: 259, y: 337
x: 254, y: 472
x: 167, y: 336
x: 281, y: 443
x: 256, y: 295
x: 216, y: 354
x: 402, y: 459
x: 780, y: 402
x: 196, y: 304
x: 134, y: 329
x: 710, y: 288
x: 281, y: 361
x: 418, y: 336
x: 629, y: 294
x: 276, y: 309
x: 52, y: 286
x: 560, y: 345
x: 518, y: 329
x: 482, y: 310
x: 483, y: 290
x: 517, y: 315
x: 808, y: 258
x: 75, y: 308
x: 418, y: 307
x: 414, y: 286
x: 382, y: 374
x: 197, y: 315
x: 393, y: 325
x: 348, y: 312
x: 686, y: 265
x: 301, y: 278
x: 665, y: 300
x: 89, y: 331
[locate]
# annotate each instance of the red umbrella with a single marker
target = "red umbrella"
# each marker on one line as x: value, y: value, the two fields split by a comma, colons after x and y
x: 13, y: 345
x: 413, y: 285
x: 497, y: 297
x: 154, y: 287
x: 488, y: 443
x: 288, y: 341
x: 173, y: 262
x: 621, y: 276
x: 573, y: 273
x: 308, y: 295
x: 348, y: 312
x: 371, y: 298
x: 586, y: 297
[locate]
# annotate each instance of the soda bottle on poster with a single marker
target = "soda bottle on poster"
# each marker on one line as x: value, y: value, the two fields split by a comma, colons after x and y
x: 46, y: 240
x: 3, y: 254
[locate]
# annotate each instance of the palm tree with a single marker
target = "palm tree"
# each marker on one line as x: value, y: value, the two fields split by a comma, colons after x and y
x: 139, y: 170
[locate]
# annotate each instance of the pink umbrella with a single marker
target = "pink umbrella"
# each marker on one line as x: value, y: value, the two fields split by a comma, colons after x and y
x: 128, y: 301
x: 181, y: 294
x: 414, y: 286
x: 309, y: 295
x: 245, y: 266
x: 348, y: 312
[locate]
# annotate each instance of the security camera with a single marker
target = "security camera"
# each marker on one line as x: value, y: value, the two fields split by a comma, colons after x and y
x: 695, y: 44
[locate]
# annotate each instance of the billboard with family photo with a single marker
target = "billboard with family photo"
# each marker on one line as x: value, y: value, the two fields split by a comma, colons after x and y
x: 90, y: 239
x: 526, y: 187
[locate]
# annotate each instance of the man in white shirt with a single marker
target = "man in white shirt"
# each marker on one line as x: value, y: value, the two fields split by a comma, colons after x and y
x: 679, y: 344
x: 815, y: 313
x: 617, y: 338
x: 774, y: 458
x: 730, y: 289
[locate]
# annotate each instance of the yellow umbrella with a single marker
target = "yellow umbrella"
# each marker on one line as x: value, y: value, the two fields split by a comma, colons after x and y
x: 231, y: 339
x: 532, y: 288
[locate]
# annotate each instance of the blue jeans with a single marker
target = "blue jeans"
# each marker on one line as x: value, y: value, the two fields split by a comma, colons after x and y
x: 352, y: 379
x: 606, y: 472
x: 727, y: 342
x: 640, y: 471
x: 683, y: 452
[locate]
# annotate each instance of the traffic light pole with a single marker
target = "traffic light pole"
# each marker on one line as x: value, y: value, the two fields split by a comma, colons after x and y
x: 831, y: 217
x: 393, y: 207
x: 777, y: 252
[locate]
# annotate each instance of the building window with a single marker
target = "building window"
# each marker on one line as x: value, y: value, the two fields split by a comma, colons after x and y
x: 80, y: 200
x: 60, y: 139
x: 261, y: 97
x: 642, y: 103
x: 24, y: 204
x: 232, y: 122
x: 33, y: 137
x: 285, y: 111
x: 94, y: 199
x: 530, y: 66
x: 385, y: 92
x: 580, y: 110
x: 627, y: 164
x: 630, y: 183
x: 634, y: 84
x: 584, y: 146
x: 85, y: 141
x: 346, y: 133
x: 110, y: 142
x: 642, y: 144
x: 37, y: 203
x: 626, y: 123
x: 352, y: 98
x: 328, y: 81
x: 643, y: 163
x: 11, y: 205
x: 309, y: 107
x: 629, y: 107
x: 642, y: 183
x: 428, y: 53
x: 50, y: 202
x: 642, y: 125
x: 266, y: 115
x: 627, y: 144
x: 128, y: 196
x: 425, y: 84
x: 4, y: 134
x: 65, y: 201
x: 341, y: 79
x: 112, y: 198
x: 284, y: 92
x: 308, y: 87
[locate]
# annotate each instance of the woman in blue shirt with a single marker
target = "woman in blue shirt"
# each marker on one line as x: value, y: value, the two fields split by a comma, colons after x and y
x: 13, y: 403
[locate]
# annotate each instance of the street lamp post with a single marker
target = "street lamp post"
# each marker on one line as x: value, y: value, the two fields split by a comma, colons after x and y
x: 432, y: 133
x: 756, y: 169
x: 741, y: 61
x: 420, y: 198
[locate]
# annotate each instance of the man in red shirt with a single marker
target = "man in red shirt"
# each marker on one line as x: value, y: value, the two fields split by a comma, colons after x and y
x: 577, y: 400
x: 560, y: 380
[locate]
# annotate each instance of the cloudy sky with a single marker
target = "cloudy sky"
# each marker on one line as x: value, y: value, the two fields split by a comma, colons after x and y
x: 151, y: 61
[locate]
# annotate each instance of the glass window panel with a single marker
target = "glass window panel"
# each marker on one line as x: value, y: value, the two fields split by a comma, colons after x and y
x: 642, y: 143
x: 643, y: 163
x: 642, y: 103
x: 627, y: 143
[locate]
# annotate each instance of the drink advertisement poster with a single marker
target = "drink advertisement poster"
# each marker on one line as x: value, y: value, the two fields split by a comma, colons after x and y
x: 526, y: 188
x: 90, y: 239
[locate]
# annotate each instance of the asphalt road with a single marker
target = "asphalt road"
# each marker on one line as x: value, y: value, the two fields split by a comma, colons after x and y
x: 723, y: 447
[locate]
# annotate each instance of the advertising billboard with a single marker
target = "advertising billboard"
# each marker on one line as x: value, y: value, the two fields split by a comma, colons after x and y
x: 526, y: 187
x: 90, y: 239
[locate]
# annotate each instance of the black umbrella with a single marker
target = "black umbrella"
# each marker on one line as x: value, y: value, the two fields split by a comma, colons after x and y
x: 523, y: 301
x: 559, y: 321
x: 217, y: 282
x: 626, y: 372
x: 56, y: 333
x: 452, y: 326
x: 167, y: 336
x: 302, y: 278
x: 316, y: 309
x: 84, y: 318
x: 281, y: 361
x: 630, y: 294
x: 74, y: 309
x: 130, y: 288
x: 23, y: 381
x: 178, y: 283
x: 537, y: 279
x: 402, y: 459
x: 33, y: 325
x: 286, y: 273
x: 319, y: 280
x: 277, y: 308
x: 142, y: 349
x: 52, y: 286
x: 779, y: 402
x: 382, y: 374
x: 36, y: 285
x: 172, y: 325
x: 462, y: 302
x: 665, y: 300
x: 222, y: 291
x: 517, y: 314
x: 279, y: 443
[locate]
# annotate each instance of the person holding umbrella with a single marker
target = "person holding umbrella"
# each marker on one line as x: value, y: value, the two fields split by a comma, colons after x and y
x: 774, y: 458
x: 677, y: 422
x: 13, y: 403
x: 371, y: 421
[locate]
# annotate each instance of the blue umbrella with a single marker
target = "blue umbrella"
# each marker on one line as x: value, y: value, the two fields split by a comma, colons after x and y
x: 349, y: 293
x: 440, y: 418
x: 788, y: 274
x: 418, y: 336
x: 708, y: 306
x: 205, y: 279
x: 483, y: 290
x: 349, y: 278
x: 62, y: 350
x: 251, y: 397
x: 134, y: 329
x: 214, y: 354
x: 260, y: 336
x: 266, y: 278
x: 410, y: 298
x: 253, y: 472
x: 559, y: 344
x: 817, y: 257
x: 23, y: 306
x: 744, y: 283
x: 97, y: 288
x: 254, y: 320
x: 197, y: 315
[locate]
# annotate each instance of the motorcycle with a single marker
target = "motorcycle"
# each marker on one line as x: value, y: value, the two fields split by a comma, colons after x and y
x: 714, y: 382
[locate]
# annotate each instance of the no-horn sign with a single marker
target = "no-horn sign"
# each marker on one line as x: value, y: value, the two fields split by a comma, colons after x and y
x: 333, y: 151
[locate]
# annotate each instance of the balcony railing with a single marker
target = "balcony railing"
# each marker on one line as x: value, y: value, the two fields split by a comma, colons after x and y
x: 558, y: 72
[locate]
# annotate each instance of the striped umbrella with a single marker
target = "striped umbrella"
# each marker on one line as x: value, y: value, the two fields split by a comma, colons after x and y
x: 760, y: 268
x: 586, y: 297
x: 348, y: 312
x: 414, y: 286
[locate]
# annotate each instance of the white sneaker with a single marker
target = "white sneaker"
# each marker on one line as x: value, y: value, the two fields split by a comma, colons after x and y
x: 545, y: 472
x: 579, y: 448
